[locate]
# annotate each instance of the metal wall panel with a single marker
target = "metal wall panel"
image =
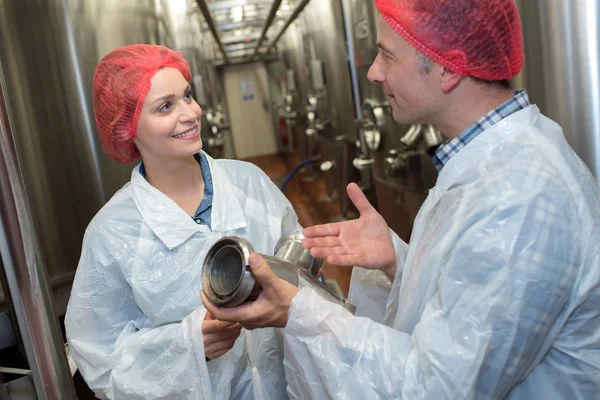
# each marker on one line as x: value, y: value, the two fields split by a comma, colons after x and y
x: 562, y: 69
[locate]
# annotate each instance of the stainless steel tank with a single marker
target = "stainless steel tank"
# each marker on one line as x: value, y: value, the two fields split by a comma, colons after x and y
x: 191, y: 39
x: 330, y: 102
x: 289, y: 89
x: 315, y: 97
x: 562, y: 69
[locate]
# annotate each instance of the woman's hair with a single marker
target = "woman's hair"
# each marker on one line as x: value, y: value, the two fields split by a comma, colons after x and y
x: 121, y: 82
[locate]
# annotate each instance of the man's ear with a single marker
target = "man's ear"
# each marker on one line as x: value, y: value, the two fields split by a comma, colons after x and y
x: 449, y: 80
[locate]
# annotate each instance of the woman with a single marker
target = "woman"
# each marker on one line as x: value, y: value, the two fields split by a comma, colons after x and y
x: 135, y: 323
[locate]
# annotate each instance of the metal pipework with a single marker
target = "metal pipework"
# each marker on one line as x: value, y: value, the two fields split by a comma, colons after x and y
x: 412, y: 138
x: 371, y: 127
x: 369, y: 140
x: 212, y: 27
x: 228, y: 281
x: 433, y: 139
x: 267, y: 25
x: 400, y: 163
x: 26, y: 276
x: 292, y: 18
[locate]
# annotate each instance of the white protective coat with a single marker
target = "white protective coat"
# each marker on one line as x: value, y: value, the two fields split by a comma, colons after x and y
x: 134, y: 318
x: 497, y: 296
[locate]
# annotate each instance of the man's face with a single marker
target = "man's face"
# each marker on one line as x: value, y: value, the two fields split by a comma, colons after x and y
x: 410, y: 91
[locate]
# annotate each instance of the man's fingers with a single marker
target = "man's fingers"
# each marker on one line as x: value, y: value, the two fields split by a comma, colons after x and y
x: 322, y: 230
x: 262, y: 271
x: 358, y: 198
x: 237, y: 314
x: 342, y: 260
x: 325, y: 252
x: 210, y: 307
x: 327, y: 241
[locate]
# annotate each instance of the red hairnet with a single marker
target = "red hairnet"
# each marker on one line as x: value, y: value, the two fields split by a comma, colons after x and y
x: 121, y: 82
x: 478, y: 38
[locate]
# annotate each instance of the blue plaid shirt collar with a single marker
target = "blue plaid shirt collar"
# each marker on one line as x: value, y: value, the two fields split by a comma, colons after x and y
x: 448, y: 150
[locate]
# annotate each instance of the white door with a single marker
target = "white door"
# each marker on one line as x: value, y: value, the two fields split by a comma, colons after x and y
x: 249, y: 110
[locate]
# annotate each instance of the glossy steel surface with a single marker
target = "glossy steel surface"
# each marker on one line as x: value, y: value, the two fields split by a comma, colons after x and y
x: 562, y: 69
x: 25, y: 273
x: 226, y: 276
x: 327, y: 42
x: 290, y: 248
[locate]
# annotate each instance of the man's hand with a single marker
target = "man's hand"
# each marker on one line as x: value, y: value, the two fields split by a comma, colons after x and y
x: 219, y: 336
x: 365, y: 242
x: 271, y: 307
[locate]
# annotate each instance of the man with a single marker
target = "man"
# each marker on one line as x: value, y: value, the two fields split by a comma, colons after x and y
x: 498, y: 293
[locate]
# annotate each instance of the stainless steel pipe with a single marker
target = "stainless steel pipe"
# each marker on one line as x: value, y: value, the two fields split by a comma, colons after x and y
x: 26, y: 275
x: 433, y: 139
x: 213, y: 29
x: 228, y: 281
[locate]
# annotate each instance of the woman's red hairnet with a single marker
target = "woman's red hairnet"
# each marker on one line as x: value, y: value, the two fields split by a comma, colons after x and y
x: 478, y: 38
x: 121, y: 82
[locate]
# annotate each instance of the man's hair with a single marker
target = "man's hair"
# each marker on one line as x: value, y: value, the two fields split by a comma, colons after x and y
x: 425, y: 63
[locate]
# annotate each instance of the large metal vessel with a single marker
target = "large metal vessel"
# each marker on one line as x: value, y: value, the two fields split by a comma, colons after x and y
x: 562, y: 69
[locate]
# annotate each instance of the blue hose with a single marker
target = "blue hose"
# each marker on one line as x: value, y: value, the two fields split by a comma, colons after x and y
x: 294, y: 171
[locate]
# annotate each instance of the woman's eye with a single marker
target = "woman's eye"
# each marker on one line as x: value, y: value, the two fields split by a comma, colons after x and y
x: 165, y: 108
x: 188, y: 96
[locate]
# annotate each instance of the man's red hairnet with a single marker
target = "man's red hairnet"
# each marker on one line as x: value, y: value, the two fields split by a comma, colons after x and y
x: 121, y: 82
x: 478, y: 38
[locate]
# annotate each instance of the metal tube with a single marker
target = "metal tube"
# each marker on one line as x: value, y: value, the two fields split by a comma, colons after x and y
x: 433, y: 139
x: 292, y: 18
x: 228, y: 281
x: 212, y: 27
x: 412, y: 138
x: 26, y: 275
x: 268, y: 22
x: 351, y: 59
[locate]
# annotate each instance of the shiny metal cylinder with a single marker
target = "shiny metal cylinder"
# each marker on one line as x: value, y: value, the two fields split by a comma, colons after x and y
x: 562, y: 69
x: 26, y: 275
x: 290, y: 248
x: 433, y: 139
x: 412, y: 138
x: 227, y: 279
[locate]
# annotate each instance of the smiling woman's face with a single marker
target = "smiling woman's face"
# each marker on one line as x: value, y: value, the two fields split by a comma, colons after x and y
x: 169, y: 124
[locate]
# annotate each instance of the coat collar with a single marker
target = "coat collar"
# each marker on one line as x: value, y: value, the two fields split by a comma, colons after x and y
x: 171, y: 224
x: 479, y: 149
